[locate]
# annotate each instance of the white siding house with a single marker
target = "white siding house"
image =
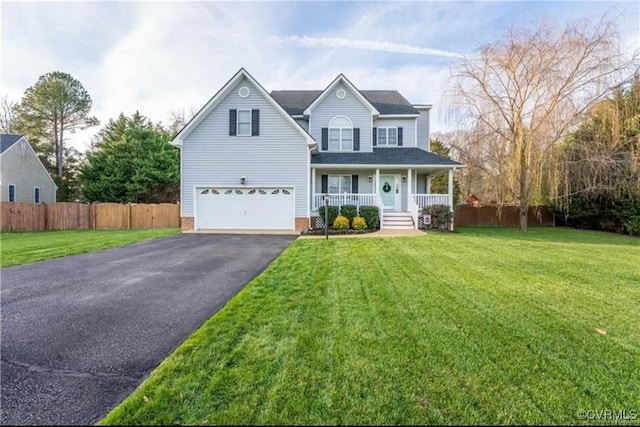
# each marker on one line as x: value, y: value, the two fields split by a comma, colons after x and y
x: 255, y: 160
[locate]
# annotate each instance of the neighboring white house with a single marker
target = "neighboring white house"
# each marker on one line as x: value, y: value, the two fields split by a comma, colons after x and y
x: 24, y: 177
x: 257, y: 160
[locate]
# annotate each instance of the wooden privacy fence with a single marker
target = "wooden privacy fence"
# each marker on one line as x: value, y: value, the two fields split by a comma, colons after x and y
x: 17, y: 216
x: 470, y: 216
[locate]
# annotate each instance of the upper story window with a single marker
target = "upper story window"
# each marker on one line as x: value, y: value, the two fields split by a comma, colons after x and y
x: 244, y: 122
x: 11, y: 193
x: 387, y: 136
x: 341, y: 139
x: 340, y: 135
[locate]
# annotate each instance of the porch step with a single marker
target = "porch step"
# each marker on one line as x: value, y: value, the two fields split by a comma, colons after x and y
x: 397, y: 221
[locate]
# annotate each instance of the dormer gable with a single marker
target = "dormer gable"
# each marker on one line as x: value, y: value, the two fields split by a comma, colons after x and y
x: 339, y: 87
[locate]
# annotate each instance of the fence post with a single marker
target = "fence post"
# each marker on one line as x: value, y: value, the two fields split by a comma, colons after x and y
x: 46, y: 222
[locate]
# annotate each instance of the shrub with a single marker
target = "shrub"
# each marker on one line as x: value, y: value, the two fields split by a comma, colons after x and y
x: 441, y: 216
x: 632, y: 225
x: 332, y: 211
x: 341, y: 223
x: 359, y: 223
x: 371, y: 215
x: 350, y: 211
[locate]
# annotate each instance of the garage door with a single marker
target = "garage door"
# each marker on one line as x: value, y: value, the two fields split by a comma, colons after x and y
x: 245, y: 208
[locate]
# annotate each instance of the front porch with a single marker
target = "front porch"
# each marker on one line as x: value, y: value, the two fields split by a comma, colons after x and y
x: 399, y: 193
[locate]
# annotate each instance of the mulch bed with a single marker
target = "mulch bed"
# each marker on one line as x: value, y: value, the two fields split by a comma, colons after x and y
x: 332, y: 232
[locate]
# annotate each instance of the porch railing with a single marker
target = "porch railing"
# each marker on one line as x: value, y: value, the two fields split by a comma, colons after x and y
x: 423, y: 200
x: 358, y: 199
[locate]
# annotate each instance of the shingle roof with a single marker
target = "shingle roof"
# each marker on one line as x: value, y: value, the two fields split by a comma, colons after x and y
x: 295, y: 101
x: 385, y: 101
x: 7, y: 140
x: 384, y: 156
x: 389, y: 102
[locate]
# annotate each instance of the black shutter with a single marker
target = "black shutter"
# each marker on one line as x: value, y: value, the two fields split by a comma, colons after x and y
x: 325, y: 183
x: 233, y: 118
x: 255, y: 122
x: 399, y: 137
x: 354, y: 184
x: 325, y: 139
x: 356, y: 139
x: 375, y: 137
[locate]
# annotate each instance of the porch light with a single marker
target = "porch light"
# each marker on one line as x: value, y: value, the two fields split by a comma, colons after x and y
x: 370, y: 178
x: 404, y: 178
x: 243, y: 180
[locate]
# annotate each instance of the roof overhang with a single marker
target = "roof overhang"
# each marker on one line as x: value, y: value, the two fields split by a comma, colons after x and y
x: 382, y: 166
x: 178, y: 140
x: 422, y: 106
x: 398, y: 116
x: 341, y: 79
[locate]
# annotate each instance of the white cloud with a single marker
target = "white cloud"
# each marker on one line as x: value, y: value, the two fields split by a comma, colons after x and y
x: 383, y: 46
x: 173, y: 56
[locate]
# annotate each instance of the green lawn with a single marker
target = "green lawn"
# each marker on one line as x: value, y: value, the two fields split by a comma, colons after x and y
x: 26, y: 247
x: 485, y: 326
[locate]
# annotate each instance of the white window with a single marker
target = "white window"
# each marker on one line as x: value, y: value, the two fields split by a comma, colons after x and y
x: 387, y: 136
x: 339, y: 184
x: 340, y: 134
x: 244, y: 123
x: 36, y: 195
x: 11, y: 192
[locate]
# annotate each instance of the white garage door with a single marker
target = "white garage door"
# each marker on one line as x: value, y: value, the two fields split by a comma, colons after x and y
x: 245, y: 208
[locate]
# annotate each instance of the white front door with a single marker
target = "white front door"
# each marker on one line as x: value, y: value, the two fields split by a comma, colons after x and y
x: 389, y: 190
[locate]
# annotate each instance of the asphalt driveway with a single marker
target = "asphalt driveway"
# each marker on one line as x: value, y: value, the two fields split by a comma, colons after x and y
x: 81, y: 333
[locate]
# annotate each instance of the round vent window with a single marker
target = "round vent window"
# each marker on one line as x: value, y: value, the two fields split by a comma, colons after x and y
x: 244, y: 92
x: 341, y: 93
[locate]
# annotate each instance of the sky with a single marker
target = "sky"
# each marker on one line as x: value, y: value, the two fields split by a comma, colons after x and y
x: 172, y: 56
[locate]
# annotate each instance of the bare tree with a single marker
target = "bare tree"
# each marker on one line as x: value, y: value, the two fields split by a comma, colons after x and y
x: 7, y: 116
x: 179, y: 119
x: 528, y: 90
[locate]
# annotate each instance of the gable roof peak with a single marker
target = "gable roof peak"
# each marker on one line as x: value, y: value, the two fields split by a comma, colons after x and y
x: 351, y: 86
x: 7, y: 140
x: 222, y: 93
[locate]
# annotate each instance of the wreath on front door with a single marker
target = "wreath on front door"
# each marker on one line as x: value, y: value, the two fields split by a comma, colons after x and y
x: 386, y: 187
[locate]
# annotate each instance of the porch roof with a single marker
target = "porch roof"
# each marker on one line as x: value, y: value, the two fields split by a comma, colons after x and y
x: 384, y: 156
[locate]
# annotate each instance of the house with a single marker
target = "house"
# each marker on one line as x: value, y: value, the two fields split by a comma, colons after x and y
x: 24, y: 177
x: 251, y: 159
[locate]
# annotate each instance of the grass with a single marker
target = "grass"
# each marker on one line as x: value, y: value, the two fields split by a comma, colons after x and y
x: 485, y: 326
x: 27, y: 247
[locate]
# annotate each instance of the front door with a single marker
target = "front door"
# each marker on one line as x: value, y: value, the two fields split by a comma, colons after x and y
x: 389, y: 190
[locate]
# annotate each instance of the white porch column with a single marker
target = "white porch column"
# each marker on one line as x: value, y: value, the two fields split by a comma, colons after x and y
x: 415, y: 182
x: 376, y: 189
x: 409, y: 183
x: 313, y: 189
x: 450, y: 188
x: 428, y: 184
